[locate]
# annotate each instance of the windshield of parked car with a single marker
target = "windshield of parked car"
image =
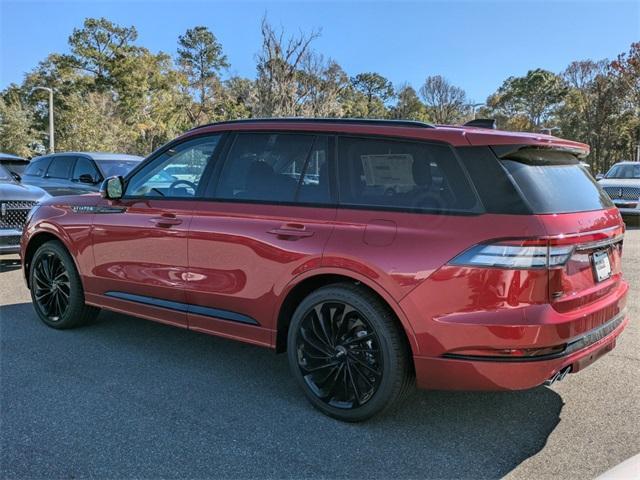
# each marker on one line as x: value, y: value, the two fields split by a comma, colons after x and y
x: 5, y: 175
x: 624, y: 170
x: 111, y: 168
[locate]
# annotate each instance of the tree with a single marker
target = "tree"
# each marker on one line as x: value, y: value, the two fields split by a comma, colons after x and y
x: 278, y: 66
x: 627, y: 68
x: 201, y: 59
x: 445, y: 102
x: 151, y: 100
x: 376, y: 89
x: 89, y: 113
x: 16, y: 134
x: 593, y: 111
x: 320, y: 86
x: 408, y: 106
x: 528, y: 102
x: 99, y: 46
x: 236, y: 99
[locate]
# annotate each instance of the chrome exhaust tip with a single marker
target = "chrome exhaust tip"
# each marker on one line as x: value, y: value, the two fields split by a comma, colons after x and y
x: 556, y: 377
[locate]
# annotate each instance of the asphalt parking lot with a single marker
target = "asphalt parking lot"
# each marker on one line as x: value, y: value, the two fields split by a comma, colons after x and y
x: 128, y: 398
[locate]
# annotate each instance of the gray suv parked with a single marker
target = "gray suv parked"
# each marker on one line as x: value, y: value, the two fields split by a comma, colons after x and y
x: 73, y: 173
x: 15, y: 202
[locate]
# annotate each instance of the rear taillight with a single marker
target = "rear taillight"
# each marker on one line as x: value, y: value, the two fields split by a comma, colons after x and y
x: 516, y: 254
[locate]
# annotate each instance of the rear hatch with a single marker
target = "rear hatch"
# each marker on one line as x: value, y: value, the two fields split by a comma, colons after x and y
x: 584, y: 228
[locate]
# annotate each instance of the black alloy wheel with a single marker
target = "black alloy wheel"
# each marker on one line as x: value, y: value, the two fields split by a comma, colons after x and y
x: 51, y: 286
x: 339, y: 355
x: 348, y: 352
x: 56, y: 288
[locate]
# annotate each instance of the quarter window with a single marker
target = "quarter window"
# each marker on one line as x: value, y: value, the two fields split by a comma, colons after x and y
x: 177, y: 172
x: 277, y: 167
x: 402, y: 175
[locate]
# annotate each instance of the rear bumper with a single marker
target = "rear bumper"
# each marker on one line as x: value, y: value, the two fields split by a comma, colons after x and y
x: 590, y: 333
x: 461, y: 374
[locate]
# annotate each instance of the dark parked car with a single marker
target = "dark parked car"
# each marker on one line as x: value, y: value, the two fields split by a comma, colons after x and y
x: 13, y: 163
x: 457, y: 257
x: 72, y: 173
x: 15, y: 202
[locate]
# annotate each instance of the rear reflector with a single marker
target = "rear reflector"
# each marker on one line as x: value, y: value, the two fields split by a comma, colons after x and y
x: 508, y: 353
x: 518, y: 254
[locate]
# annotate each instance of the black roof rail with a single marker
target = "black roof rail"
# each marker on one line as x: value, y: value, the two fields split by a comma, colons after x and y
x: 489, y: 123
x: 352, y: 121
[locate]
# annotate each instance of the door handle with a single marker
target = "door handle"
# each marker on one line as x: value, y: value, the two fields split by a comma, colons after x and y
x: 291, y: 230
x: 165, y: 221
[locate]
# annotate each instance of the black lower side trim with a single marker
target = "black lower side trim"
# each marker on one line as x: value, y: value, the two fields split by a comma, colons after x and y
x: 579, y: 343
x: 184, y: 307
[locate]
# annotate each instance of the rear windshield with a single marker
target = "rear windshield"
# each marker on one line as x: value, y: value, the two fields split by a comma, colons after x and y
x: 555, y: 182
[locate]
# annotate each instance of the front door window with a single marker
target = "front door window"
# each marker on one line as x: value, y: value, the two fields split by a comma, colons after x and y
x: 177, y: 173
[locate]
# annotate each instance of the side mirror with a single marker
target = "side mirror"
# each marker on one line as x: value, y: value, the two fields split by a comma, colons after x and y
x: 599, y: 176
x: 87, y: 178
x: 112, y: 188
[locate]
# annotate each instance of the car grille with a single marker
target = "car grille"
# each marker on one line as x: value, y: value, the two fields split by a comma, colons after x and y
x: 623, y: 193
x: 13, y: 214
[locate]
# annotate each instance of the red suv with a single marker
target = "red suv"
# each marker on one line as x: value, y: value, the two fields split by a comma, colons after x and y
x: 373, y: 252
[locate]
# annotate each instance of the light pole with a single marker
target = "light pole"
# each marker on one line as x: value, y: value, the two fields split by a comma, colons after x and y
x: 52, y: 147
x: 474, y: 108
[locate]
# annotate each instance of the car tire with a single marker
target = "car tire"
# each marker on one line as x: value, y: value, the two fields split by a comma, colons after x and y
x: 346, y: 333
x: 56, y: 288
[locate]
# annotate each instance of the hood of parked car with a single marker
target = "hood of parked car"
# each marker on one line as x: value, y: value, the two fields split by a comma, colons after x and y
x: 19, y: 191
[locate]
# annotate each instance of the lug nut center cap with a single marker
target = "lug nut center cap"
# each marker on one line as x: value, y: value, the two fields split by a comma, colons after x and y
x: 340, y: 351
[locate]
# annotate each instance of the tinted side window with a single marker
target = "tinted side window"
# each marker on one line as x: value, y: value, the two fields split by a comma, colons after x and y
x: 176, y: 172
x: 37, y: 167
x: 278, y: 167
x: 492, y: 182
x: 60, y: 167
x: 84, y: 166
x: 403, y: 175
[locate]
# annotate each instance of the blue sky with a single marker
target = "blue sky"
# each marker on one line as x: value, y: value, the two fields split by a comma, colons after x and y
x: 475, y: 44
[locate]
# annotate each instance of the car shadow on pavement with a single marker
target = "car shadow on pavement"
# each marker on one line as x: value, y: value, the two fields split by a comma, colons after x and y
x: 9, y: 264
x: 130, y: 398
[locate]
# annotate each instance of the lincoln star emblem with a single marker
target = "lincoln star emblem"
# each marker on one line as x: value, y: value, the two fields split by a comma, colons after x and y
x: 620, y: 192
x: 3, y: 209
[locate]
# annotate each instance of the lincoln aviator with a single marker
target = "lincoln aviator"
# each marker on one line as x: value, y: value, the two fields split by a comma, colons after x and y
x: 377, y: 254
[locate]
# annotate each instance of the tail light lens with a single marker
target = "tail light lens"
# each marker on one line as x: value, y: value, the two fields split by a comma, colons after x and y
x: 516, y: 254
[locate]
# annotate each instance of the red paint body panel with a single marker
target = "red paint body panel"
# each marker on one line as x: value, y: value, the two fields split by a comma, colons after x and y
x: 237, y: 262
x: 227, y: 267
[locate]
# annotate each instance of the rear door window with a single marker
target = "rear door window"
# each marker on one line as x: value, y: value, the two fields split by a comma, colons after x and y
x: 60, y: 167
x: 277, y: 167
x: 403, y: 175
x: 554, y: 182
x: 85, y: 166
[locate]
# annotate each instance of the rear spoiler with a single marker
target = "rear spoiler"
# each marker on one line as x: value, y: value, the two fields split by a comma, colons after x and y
x: 506, y: 151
